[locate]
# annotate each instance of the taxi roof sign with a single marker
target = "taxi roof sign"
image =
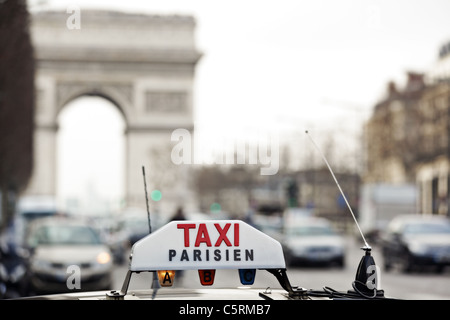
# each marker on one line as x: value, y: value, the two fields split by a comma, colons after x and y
x: 206, y: 244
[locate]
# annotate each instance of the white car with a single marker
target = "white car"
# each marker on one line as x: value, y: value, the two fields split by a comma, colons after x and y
x: 312, y: 241
x: 67, y: 255
x: 417, y: 241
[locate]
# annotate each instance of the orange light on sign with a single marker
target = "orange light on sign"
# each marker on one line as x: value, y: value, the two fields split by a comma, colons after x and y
x: 166, y: 277
x: 207, y: 277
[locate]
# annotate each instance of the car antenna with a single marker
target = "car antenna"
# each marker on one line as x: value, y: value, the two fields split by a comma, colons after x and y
x: 367, y: 270
x: 119, y: 295
x: 146, y: 201
x: 155, y: 282
x: 366, y: 245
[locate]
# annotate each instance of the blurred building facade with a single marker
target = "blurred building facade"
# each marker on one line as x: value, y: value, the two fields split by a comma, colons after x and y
x: 242, y: 191
x: 407, y: 136
x: 144, y: 65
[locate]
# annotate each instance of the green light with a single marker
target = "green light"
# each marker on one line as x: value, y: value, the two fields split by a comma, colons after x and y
x: 215, y: 207
x: 156, y: 195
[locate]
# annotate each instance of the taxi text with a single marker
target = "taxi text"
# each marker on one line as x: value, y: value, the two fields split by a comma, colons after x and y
x: 195, y: 237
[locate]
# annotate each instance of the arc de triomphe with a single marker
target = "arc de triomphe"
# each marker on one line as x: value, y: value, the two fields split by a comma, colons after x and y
x: 144, y: 65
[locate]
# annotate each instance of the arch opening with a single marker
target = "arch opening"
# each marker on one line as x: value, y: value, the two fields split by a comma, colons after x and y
x: 90, y: 157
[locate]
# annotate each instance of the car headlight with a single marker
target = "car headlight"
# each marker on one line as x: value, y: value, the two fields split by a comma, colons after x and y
x: 418, y: 248
x: 103, y: 258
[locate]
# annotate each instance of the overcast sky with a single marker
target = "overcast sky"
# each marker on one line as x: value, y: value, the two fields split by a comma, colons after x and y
x: 300, y: 60
x: 296, y: 65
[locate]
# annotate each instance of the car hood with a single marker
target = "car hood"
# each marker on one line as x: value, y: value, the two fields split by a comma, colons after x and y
x: 68, y: 253
x: 429, y: 239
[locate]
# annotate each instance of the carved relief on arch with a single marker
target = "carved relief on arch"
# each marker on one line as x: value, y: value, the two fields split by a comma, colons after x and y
x: 119, y: 93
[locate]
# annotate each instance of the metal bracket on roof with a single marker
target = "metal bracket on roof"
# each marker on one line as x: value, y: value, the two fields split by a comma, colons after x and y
x: 120, y: 295
x: 294, y: 292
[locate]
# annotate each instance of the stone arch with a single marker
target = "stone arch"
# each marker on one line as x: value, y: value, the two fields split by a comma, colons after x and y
x: 118, y: 94
x: 150, y: 81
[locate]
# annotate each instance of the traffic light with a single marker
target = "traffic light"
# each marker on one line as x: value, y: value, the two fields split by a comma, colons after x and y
x: 156, y: 195
x: 292, y: 193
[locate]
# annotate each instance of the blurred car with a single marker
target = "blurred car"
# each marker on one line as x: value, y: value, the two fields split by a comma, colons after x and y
x: 13, y: 258
x: 133, y: 224
x: 67, y: 255
x: 312, y: 241
x: 220, y: 215
x: 134, y: 229
x: 412, y: 241
x: 113, y: 236
x: 269, y: 224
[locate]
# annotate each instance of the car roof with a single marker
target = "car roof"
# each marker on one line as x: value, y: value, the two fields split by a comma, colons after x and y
x: 412, y: 218
x: 58, y: 221
x: 61, y: 220
x: 242, y: 293
x: 399, y: 221
x: 308, y: 221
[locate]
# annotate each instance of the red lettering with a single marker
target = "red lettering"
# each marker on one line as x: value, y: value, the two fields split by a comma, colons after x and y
x: 202, y: 236
x: 186, y: 227
x: 222, y: 234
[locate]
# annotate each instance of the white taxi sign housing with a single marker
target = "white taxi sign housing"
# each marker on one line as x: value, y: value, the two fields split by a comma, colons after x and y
x: 206, y: 244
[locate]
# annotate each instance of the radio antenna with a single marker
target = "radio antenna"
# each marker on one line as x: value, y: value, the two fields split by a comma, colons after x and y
x: 340, y: 189
x: 146, y: 201
x: 155, y: 283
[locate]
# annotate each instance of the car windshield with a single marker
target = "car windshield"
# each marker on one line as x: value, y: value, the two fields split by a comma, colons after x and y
x: 67, y: 235
x: 309, y: 230
x: 426, y: 228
